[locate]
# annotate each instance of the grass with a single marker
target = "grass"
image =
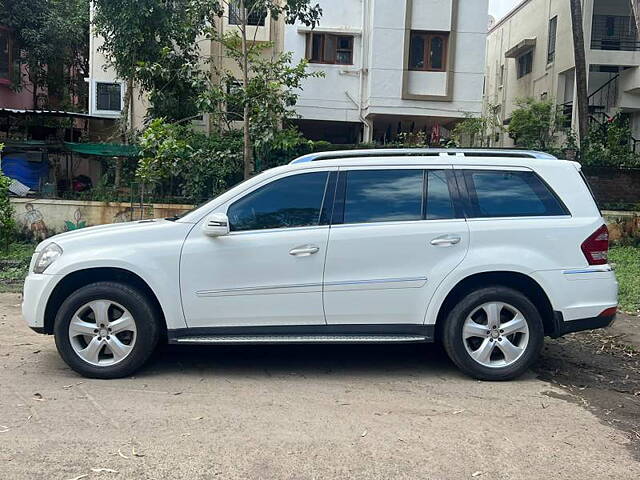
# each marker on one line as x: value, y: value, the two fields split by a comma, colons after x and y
x: 627, y: 263
x: 14, y: 266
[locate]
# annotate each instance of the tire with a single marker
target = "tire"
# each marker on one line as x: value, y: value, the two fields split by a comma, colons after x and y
x: 127, y: 339
x: 467, y: 339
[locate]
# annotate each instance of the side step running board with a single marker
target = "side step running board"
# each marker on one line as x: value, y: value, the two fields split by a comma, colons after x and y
x: 294, y: 339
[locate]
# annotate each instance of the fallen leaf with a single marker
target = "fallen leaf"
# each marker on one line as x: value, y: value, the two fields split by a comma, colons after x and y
x: 37, y: 351
x: 79, y: 477
x: 476, y: 474
x: 4, y: 429
x: 122, y: 454
x: 136, y: 454
x: 364, y: 434
x: 104, y: 470
x: 38, y: 397
x: 458, y: 411
x: 177, y: 393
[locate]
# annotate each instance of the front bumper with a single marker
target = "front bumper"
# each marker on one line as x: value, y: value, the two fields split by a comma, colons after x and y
x: 36, y: 292
x: 562, y: 327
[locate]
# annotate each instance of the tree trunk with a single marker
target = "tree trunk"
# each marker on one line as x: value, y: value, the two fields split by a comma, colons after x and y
x: 247, y: 148
x: 124, y: 129
x: 582, y: 95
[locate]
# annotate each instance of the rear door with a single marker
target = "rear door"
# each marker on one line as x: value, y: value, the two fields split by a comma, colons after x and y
x: 396, y: 233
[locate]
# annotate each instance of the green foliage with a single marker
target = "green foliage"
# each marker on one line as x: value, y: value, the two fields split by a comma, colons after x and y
x: 537, y: 125
x: 192, y: 164
x: 153, y: 44
x: 271, y: 92
x: 473, y: 132
x: 609, y: 144
x: 7, y: 221
x: 627, y: 262
x: 14, y: 266
x: 53, y: 38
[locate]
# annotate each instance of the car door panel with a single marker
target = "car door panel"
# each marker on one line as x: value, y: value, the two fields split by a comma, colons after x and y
x: 386, y: 272
x: 257, y: 277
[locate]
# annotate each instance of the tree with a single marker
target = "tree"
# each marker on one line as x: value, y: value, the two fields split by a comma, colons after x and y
x: 537, y: 125
x: 263, y: 103
x: 582, y: 95
x: 245, y: 53
x: 53, y: 41
x: 152, y: 44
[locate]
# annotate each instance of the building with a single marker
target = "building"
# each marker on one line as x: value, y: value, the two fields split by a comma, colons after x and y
x: 390, y: 67
x: 530, y: 54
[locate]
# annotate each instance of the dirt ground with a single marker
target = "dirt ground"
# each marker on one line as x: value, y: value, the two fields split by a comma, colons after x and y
x: 319, y: 412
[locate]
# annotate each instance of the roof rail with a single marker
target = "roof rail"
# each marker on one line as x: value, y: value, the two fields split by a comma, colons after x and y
x: 422, y: 152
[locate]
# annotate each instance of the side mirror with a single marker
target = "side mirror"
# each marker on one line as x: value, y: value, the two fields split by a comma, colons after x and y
x: 216, y: 225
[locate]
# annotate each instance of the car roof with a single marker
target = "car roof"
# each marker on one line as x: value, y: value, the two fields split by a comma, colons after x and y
x: 375, y: 154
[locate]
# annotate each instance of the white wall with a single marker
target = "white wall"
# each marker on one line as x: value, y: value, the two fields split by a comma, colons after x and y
x: 384, y: 33
x: 337, y: 95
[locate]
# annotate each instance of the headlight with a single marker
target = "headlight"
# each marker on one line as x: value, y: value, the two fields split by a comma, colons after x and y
x: 47, y: 256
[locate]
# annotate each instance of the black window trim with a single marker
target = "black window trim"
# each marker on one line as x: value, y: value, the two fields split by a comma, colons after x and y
x: 471, y: 202
x: 268, y: 182
x: 337, y: 217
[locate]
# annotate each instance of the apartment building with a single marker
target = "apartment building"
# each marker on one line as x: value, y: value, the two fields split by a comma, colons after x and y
x: 390, y: 67
x: 530, y: 54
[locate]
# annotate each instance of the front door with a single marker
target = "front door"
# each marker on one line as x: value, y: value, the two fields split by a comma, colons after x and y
x: 268, y: 270
x: 395, y: 235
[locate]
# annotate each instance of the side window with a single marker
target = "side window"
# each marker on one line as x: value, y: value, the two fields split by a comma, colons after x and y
x: 383, y: 195
x: 511, y: 194
x: 439, y: 204
x: 294, y: 201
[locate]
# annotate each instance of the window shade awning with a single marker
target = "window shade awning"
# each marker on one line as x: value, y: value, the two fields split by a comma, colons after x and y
x: 522, y: 47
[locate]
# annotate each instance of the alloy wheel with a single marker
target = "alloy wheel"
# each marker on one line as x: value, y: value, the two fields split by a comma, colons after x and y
x: 495, y: 334
x: 102, y: 332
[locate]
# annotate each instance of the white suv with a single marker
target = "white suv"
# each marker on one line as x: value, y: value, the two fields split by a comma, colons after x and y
x: 486, y: 251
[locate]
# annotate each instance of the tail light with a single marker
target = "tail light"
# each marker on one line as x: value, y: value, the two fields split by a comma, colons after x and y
x: 596, y: 247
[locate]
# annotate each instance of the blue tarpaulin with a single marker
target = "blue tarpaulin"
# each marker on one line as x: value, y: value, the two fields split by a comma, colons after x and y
x: 19, y: 167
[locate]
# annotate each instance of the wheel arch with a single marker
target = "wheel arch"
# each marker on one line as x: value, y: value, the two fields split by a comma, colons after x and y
x: 80, y: 278
x: 521, y: 282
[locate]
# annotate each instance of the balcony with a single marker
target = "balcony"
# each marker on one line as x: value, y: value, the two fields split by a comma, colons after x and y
x: 610, y: 32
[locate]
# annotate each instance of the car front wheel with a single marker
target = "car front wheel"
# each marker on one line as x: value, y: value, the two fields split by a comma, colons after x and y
x: 106, y: 330
x: 494, y: 333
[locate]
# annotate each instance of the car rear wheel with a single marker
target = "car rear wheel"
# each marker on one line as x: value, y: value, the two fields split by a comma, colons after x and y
x: 494, y: 333
x: 106, y: 330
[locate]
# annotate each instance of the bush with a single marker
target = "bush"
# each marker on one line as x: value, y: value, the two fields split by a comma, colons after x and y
x: 7, y: 221
x: 609, y: 144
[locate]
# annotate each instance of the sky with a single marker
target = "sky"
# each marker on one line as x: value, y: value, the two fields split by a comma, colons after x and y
x: 499, y: 8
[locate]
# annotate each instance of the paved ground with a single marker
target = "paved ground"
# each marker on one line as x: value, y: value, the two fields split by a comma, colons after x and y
x: 296, y: 412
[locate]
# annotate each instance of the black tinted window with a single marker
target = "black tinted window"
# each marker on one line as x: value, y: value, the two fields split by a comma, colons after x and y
x: 293, y: 201
x: 383, y: 195
x: 511, y: 194
x: 439, y: 203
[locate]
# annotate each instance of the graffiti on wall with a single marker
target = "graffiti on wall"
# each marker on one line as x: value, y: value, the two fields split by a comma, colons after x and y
x: 34, y: 221
x: 77, y: 224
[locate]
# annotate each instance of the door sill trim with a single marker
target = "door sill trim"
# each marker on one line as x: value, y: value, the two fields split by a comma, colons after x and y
x: 378, y: 333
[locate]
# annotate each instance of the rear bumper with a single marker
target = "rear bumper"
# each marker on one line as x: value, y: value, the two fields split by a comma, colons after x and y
x: 562, y: 327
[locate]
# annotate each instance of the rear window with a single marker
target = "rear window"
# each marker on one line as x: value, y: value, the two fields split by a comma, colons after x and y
x: 496, y: 193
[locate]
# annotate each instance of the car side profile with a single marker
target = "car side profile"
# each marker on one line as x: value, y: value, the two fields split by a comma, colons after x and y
x: 485, y: 251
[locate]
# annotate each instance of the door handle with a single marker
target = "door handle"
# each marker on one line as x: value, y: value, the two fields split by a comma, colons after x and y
x: 304, y: 250
x: 446, y: 240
